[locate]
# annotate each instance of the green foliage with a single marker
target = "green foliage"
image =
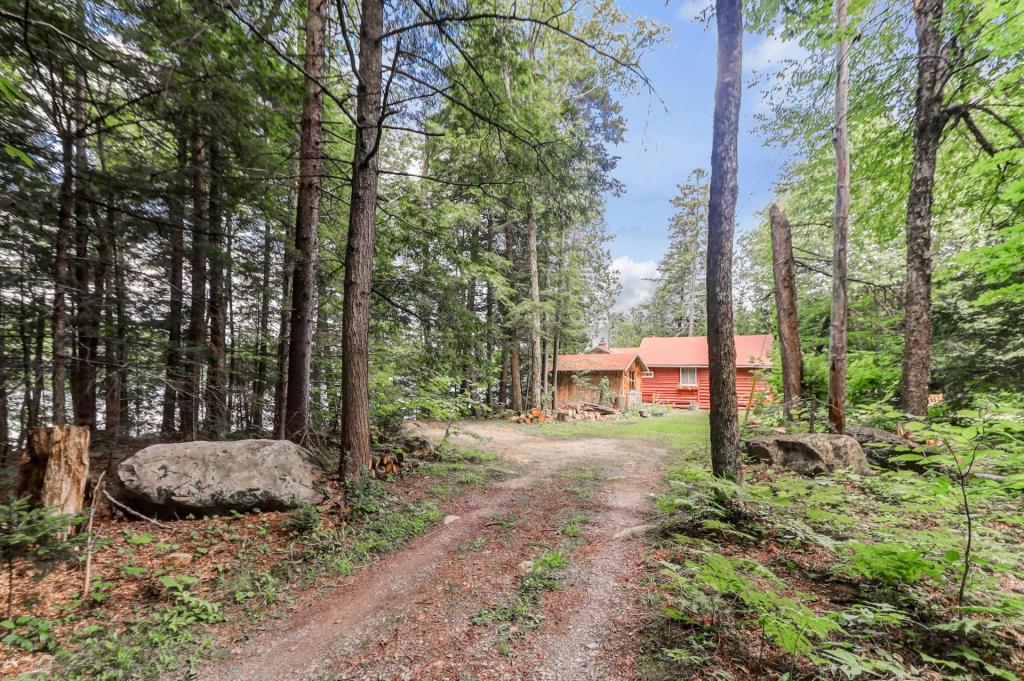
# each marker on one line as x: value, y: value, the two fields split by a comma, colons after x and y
x: 35, y: 534
x: 521, y: 613
x: 896, y: 539
x: 304, y: 520
x: 893, y: 565
x: 29, y: 633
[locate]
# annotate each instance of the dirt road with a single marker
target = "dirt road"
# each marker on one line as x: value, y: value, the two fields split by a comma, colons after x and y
x: 411, y: 614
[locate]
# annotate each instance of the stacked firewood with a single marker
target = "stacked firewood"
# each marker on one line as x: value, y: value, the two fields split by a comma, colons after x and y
x: 585, y: 412
x: 535, y: 415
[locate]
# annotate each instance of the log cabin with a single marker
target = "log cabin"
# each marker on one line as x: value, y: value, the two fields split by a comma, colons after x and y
x: 677, y: 369
x: 614, y: 379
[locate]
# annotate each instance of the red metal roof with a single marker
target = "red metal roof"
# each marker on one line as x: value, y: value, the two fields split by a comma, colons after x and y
x: 600, y: 361
x: 692, y: 351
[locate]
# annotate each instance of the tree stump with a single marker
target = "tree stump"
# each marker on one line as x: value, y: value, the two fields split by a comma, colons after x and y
x: 54, y: 468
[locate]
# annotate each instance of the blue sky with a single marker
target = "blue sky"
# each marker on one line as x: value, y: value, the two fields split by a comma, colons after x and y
x: 666, y: 139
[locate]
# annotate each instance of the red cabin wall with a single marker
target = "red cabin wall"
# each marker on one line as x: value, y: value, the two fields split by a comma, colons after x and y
x: 663, y: 388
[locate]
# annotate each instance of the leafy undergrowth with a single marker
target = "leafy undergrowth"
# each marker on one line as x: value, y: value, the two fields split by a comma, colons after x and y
x: 152, y: 609
x: 843, y: 577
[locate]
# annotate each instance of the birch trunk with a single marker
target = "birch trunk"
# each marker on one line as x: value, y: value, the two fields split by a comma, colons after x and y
x: 837, y: 324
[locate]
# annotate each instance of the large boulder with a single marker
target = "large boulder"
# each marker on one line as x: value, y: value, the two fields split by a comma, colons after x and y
x: 218, y: 477
x: 880, y: 445
x: 810, y: 453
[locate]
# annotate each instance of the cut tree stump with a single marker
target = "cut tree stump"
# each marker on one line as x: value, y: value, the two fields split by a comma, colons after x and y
x: 55, y: 467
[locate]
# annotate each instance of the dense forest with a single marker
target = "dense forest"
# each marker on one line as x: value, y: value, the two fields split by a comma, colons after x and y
x: 313, y: 362
x: 289, y: 218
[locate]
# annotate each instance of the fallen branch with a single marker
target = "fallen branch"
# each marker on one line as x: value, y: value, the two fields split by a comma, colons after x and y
x: 87, y: 587
x: 133, y: 512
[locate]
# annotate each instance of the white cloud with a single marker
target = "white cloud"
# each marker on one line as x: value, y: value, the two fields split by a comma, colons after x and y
x: 691, y: 10
x: 637, y: 279
x: 770, y: 53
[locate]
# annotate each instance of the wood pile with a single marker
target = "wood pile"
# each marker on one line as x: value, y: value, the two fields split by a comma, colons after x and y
x: 585, y: 412
x: 535, y: 415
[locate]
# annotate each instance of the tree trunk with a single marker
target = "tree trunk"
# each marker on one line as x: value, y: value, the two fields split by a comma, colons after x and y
x: 175, y: 297
x: 121, y: 340
x: 281, y: 386
x: 60, y: 284
x: 197, y: 318
x: 517, y: 376
x: 307, y: 214
x: 83, y: 376
x: 786, y: 309
x: 841, y: 227
x: 36, y: 401
x: 259, y: 386
x: 355, y: 422
x: 554, y: 371
x: 216, y: 378
x: 4, y: 431
x: 503, y: 381
x: 536, y: 369
x: 229, y: 295
x: 55, y: 467
x: 691, y: 295
x: 930, y: 118
x: 725, y: 454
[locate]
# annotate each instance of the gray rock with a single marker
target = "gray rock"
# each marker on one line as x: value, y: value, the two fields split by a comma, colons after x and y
x: 449, y: 519
x: 810, y: 453
x: 880, y: 445
x: 632, y: 531
x: 218, y: 477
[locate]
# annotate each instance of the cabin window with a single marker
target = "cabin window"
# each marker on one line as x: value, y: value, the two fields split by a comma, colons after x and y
x: 687, y: 377
x: 647, y: 374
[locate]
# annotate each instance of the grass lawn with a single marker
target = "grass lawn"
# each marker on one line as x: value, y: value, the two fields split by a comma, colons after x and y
x: 678, y: 429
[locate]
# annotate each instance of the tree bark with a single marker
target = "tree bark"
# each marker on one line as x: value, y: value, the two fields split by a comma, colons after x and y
x: 691, y: 295
x: 783, y: 266
x: 281, y: 385
x: 930, y: 119
x: 259, y: 385
x: 307, y: 214
x: 355, y: 422
x: 60, y: 284
x: 55, y: 467
x: 86, y: 322
x: 216, y: 378
x: 516, y: 372
x: 175, y: 297
x: 197, y: 318
x: 841, y: 228
x: 515, y: 377
x: 536, y: 352
x: 4, y: 430
x: 725, y: 454
x: 554, y: 371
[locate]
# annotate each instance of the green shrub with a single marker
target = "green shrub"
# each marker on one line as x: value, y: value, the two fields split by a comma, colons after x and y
x: 304, y: 520
x: 892, y: 564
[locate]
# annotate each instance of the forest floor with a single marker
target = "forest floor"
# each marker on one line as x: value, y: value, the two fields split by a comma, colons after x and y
x: 462, y: 602
x: 562, y: 552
